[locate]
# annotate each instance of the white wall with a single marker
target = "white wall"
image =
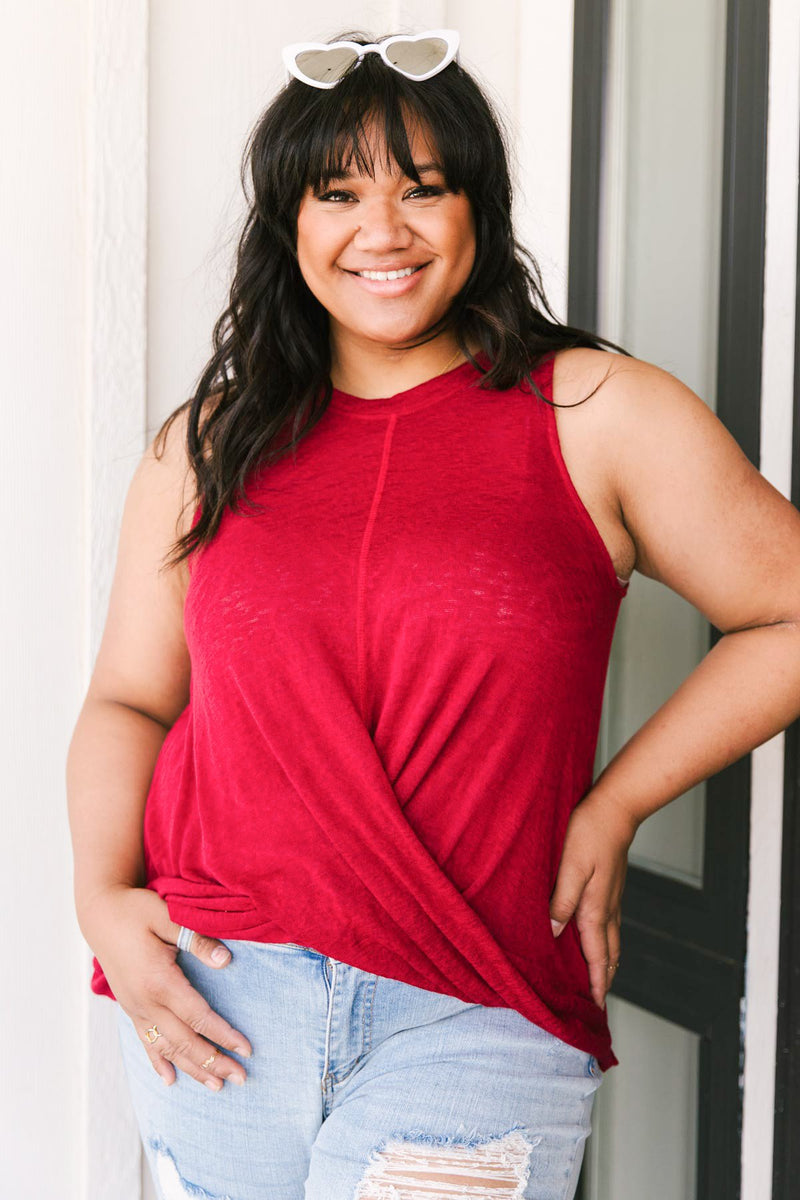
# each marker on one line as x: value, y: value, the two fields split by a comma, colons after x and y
x: 122, y: 126
x: 42, y: 263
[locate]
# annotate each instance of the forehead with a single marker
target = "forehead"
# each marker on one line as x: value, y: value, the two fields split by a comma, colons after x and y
x: 373, y: 146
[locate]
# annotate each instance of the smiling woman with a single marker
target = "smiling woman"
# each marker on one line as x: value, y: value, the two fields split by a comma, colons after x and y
x: 355, y: 701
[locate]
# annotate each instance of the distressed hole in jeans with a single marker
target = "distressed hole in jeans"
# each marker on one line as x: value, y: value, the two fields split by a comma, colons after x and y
x: 168, y: 1180
x: 416, y: 1166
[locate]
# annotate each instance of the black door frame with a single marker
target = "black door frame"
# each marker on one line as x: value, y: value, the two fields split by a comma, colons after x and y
x: 684, y: 947
x: 786, y: 1157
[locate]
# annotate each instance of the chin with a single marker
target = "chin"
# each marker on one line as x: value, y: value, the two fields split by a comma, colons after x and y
x: 391, y: 335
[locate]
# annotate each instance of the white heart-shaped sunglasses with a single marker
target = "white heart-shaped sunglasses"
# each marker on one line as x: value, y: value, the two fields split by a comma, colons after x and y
x: 322, y: 64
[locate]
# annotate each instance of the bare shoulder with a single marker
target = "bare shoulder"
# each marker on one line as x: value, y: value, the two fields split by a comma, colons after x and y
x: 586, y: 388
x: 164, y: 487
x: 586, y: 427
x: 582, y: 372
x: 164, y: 481
x: 627, y: 394
x: 621, y: 405
x: 574, y: 367
x: 703, y: 519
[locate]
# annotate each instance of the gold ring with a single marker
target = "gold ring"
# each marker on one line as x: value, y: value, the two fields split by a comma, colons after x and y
x: 209, y: 1060
x: 155, y: 1032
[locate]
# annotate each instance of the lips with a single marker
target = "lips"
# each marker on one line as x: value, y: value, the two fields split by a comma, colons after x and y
x: 388, y: 288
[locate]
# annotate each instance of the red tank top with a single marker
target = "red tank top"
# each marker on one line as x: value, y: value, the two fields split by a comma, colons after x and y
x: 397, y: 676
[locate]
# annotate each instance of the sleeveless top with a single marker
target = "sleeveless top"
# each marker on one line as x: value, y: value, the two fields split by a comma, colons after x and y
x: 398, y: 668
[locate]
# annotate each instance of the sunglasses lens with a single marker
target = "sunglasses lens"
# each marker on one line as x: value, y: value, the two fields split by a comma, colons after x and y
x: 418, y: 58
x: 326, y: 66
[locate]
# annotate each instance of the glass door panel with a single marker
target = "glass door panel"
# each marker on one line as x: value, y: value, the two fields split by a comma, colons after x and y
x: 666, y: 258
x: 660, y: 228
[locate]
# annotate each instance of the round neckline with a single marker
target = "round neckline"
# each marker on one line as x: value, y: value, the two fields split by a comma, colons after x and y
x: 410, y: 399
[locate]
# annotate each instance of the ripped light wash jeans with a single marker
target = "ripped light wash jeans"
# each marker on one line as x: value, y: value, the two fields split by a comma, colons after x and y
x: 362, y: 1088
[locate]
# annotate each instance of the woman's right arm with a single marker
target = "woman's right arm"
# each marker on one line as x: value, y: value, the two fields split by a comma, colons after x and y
x: 139, y: 687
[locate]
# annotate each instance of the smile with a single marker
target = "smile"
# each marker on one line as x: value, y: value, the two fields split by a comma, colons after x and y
x: 389, y: 274
x: 388, y: 283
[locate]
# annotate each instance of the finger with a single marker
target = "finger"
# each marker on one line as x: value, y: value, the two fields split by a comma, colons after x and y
x: 169, y: 1041
x: 165, y: 1070
x: 209, y: 950
x: 614, y: 940
x: 594, y: 944
x: 566, y: 896
x: 191, y: 1007
x: 149, y: 1035
x: 614, y: 949
x: 176, y: 994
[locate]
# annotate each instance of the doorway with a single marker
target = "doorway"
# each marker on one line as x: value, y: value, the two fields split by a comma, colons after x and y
x: 667, y: 259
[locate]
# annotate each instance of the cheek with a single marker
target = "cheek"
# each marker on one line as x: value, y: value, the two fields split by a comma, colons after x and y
x: 312, y: 245
x: 463, y: 240
x: 469, y: 253
x: 305, y: 239
x: 464, y: 255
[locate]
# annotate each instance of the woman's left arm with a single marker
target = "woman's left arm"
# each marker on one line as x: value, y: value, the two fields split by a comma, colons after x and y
x: 707, y: 524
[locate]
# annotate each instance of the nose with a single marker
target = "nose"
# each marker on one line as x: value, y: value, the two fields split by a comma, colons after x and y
x: 381, y: 227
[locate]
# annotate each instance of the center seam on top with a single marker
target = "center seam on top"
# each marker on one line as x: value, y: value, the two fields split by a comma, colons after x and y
x: 362, y: 567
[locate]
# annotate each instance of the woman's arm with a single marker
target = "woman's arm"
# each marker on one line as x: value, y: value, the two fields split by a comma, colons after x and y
x: 109, y: 766
x: 139, y: 686
x: 708, y: 525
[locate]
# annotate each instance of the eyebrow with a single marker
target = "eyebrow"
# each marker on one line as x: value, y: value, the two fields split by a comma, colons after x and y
x: 421, y: 169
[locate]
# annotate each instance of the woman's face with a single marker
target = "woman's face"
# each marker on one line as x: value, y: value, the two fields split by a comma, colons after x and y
x: 387, y: 223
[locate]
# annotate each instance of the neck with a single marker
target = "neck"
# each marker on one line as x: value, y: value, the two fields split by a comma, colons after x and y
x: 385, y: 370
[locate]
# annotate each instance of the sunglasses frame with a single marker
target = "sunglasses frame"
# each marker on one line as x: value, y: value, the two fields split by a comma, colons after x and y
x: 450, y: 36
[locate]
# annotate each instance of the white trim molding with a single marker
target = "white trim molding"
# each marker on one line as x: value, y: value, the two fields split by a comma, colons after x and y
x: 766, y: 821
x: 114, y: 431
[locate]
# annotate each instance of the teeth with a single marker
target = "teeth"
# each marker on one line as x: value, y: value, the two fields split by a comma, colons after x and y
x: 388, y: 274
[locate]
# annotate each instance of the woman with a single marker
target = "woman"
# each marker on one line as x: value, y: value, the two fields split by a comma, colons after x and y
x: 354, y: 662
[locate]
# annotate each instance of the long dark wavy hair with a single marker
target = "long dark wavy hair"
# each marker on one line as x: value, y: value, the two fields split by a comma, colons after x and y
x: 270, y: 367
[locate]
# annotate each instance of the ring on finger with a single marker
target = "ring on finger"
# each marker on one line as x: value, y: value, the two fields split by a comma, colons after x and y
x: 156, y: 1032
x: 612, y: 966
x: 209, y: 1060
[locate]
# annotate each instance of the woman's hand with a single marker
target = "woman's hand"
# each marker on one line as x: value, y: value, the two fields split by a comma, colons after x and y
x: 130, y: 931
x: 590, y: 882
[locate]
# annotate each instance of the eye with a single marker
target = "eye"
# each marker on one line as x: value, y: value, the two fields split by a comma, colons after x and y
x: 424, y: 189
x: 429, y: 189
x: 330, y: 195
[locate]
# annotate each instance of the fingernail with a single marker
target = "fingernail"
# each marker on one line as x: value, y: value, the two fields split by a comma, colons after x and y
x: 237, y: 1079
x: 556, y: 926
x: 241, y: 1050
x: 213, y: 1084
x: 220, y: 954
